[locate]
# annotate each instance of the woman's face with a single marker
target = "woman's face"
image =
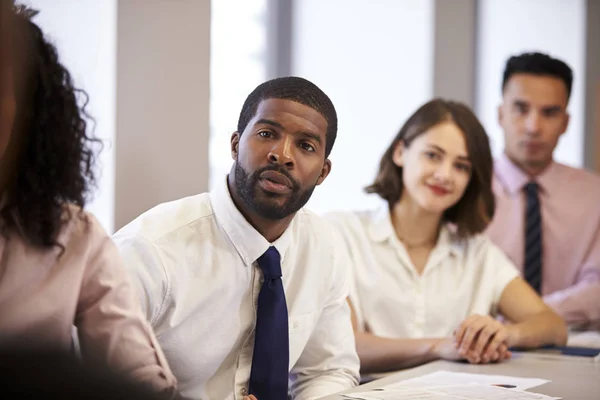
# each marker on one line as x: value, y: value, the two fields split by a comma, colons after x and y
x: 435, y: 167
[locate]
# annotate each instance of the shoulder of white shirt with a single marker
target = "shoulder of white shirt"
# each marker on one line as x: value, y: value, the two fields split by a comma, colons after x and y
x: 353, y: 220
x: 311, y: 222
x: 168, y: 217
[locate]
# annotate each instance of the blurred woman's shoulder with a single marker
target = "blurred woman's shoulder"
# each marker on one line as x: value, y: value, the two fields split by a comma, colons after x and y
x: 81, y: 229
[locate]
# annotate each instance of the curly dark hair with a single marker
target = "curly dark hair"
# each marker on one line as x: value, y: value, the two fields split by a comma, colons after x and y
x: 53, y: 160
x: 295, y: 89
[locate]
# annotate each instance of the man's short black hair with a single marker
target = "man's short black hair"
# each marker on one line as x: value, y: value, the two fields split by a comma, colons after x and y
x: 295, y: 89
x: 538, y: 64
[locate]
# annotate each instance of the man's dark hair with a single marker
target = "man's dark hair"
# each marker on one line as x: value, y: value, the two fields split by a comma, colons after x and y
x: 538, y: 64
x: 295, y: 89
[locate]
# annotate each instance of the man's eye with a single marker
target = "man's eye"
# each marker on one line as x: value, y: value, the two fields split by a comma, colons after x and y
x: 308, y: 147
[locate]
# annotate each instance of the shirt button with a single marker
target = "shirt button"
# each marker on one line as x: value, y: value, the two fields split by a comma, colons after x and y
x: 244, y: 392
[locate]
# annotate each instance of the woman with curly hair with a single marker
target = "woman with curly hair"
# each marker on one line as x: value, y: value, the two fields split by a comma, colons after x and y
x: 58, y: 268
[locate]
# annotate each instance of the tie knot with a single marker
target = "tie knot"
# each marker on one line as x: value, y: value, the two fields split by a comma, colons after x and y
x: 531, y: 188
x: 270, y: 263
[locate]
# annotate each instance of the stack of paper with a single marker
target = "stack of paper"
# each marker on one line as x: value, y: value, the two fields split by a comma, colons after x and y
x: 464, y: 392
x: 444, y: 378
x: 456, y: 385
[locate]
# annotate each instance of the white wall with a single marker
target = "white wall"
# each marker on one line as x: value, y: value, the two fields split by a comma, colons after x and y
x: 375, y: 60
x: 163, y: 65
x: 160, y: 117
x: 238, y: 64
x: 84, y: 32
x: 508, y: 27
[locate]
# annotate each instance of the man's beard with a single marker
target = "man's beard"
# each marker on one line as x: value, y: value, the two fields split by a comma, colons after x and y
x: 258, y: 201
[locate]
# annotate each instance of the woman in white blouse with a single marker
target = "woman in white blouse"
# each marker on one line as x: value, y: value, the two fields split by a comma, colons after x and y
x: 427, y: 284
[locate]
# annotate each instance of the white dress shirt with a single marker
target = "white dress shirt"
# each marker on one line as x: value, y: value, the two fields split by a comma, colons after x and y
x: 194, y: 263
x: 392, y: 300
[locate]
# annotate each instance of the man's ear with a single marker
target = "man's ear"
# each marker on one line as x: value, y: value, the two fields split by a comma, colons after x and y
x: 398, y: 155
x: 324, y: 171
x: 235, y: 144
x: 500, y: 114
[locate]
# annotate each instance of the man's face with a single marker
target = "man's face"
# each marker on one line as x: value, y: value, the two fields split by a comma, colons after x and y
x: 280, y: 158
x: 533, y: 115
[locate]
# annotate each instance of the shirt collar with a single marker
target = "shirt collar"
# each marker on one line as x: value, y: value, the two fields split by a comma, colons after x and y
x: 248, y: 242
x: 514, y: 179
x: 381, y: 229
x: 449, y: 242
x: 511, y: 176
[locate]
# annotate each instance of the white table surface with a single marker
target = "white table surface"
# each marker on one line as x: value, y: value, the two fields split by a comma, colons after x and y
x: 571, y: 377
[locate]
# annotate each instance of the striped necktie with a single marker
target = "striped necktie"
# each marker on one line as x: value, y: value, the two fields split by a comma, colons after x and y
x: 533, y: 238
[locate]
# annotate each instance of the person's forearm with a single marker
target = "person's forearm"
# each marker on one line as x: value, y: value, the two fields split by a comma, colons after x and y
x: 578, y: 304
x: 545, y: 328
x: 381, y: 354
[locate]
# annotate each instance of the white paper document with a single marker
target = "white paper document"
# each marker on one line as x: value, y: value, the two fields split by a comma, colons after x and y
x: 446, y: 378
x: 459, y: 392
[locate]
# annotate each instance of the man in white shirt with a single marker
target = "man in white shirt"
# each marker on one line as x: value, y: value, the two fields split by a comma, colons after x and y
x: 201, y: 262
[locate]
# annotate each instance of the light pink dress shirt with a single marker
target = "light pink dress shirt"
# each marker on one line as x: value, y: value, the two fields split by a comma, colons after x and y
x: 570, y: 208
x: 43, y: 294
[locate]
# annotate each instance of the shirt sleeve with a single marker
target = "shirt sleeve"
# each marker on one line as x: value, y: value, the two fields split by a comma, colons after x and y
x: 329, y: 363
x: 111, y: 325
x: 146, y: 270
x: 579, y: 304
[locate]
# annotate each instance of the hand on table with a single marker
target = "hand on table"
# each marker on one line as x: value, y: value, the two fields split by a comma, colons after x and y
x: 482, y: 339
x: 447, y: 349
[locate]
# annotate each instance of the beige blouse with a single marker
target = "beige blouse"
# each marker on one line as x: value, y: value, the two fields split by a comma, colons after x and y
x: 44, y: 293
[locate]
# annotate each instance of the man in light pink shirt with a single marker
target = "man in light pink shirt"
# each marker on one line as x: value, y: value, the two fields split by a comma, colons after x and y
x: 548, y: 215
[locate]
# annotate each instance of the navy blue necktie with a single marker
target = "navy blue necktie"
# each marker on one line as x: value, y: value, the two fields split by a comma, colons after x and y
x: 270, y: 361
x: 533, y: 238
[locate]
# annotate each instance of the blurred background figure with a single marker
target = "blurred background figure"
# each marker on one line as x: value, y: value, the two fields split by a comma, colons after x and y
x: 58, y: 267
x: 548, y: 215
